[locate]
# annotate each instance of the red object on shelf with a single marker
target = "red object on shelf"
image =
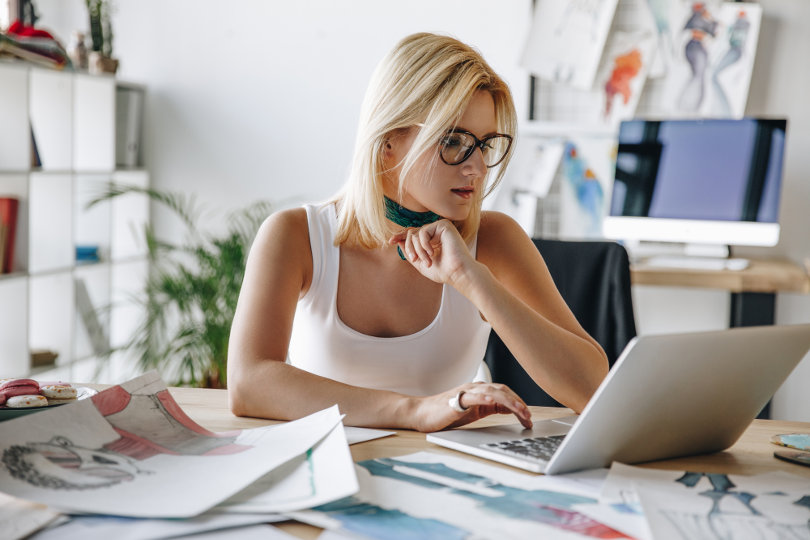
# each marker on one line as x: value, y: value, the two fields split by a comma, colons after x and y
x: 8, y: 229
x: 19, y: 29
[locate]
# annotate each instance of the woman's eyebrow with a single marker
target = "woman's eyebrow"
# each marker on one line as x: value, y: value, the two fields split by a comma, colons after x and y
x: 462, y: 128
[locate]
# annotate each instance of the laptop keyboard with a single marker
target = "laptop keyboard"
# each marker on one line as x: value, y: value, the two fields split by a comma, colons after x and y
x: 534, y: 448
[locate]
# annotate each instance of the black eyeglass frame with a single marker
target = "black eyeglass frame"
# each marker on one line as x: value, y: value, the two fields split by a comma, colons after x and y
x: 479, y: 143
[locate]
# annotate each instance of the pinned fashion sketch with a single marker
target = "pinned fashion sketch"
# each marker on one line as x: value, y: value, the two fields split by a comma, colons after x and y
x: 566, y: 40
x: 701, y: 27
x: 625, y: 67
x: 731, y: 71
x: 715, y: 44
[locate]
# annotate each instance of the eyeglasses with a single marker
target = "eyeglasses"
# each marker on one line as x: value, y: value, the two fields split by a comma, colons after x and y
x: 458, y: 145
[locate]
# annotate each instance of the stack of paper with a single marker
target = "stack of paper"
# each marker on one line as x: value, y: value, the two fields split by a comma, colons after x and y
x: 131, y: 452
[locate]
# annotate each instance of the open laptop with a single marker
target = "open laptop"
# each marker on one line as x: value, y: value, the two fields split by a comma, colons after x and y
x: 666, y: 396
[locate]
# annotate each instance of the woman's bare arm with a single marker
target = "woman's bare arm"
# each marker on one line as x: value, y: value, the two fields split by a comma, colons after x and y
x: 261, y: 384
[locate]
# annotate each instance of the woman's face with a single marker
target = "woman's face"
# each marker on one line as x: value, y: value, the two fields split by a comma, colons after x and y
x: 448, y: 190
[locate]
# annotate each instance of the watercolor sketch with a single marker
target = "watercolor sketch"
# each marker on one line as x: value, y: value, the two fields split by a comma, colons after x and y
x: 624, y: 71
x: 566, y: 40
x: 430, y: 496
x: 722, y: 509
x: 713, y: 50
x: 650, y: 503
x: 587, y: 168
x: 733, y: 59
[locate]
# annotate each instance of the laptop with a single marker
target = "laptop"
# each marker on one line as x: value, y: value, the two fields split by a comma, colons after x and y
x: 666, y: 396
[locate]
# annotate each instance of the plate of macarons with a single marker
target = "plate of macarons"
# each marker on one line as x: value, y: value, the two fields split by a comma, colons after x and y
x: 24, y: 396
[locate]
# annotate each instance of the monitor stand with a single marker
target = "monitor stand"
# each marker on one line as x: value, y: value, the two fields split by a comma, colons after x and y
x: 685, y: 256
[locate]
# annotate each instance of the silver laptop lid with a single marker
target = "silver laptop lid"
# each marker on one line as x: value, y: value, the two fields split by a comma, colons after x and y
x: 681, y: 394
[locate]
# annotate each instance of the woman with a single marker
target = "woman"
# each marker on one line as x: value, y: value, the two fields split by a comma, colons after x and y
x: 384, y: 297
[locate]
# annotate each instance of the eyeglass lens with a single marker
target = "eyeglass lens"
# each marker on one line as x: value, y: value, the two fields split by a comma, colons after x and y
x: 457, y: 146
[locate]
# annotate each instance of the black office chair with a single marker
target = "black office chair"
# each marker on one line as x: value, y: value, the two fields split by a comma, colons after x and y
x: 593, y: 278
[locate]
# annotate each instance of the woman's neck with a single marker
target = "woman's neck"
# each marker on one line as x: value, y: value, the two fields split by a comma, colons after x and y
x: 408, y: 218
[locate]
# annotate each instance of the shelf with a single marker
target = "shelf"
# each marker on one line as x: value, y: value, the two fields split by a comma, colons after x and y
x: 52, y: 301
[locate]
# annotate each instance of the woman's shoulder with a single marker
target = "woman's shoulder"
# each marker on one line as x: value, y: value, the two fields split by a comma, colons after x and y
x: 500, y: 238
x: 289, y: 221
x: 284, y: 229
x: 497, y: 227
x: 282, y: 244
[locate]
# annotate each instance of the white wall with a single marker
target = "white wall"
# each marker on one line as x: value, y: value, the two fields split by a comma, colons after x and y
x: 241, y: 94
x: 259, y: 99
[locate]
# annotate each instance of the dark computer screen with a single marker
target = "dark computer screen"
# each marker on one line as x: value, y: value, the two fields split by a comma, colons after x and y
x: 729, y: 170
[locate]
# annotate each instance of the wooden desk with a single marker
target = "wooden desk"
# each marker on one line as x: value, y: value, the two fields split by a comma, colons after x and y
x: 753, y: 290
x: 752, y: 454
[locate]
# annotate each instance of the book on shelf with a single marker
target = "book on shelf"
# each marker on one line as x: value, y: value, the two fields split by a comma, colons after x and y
x: 37, y: 50
x: 129, y: 115
x: 8, y: 230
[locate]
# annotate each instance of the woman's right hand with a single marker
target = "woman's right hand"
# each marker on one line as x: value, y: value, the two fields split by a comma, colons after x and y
x: 434, y: 413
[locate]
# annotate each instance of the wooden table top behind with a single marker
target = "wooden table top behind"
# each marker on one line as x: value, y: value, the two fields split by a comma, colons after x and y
x: 764, y: 276
x: 751, y: 454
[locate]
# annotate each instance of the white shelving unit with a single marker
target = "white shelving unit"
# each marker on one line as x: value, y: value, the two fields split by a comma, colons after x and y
x: 72, y: 119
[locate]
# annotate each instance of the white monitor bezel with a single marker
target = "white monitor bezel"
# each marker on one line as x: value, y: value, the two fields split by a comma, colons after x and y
x: 690, y: 231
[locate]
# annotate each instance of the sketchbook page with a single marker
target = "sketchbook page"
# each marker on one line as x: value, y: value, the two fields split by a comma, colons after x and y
x: 566, y: 39
x: 444, y: 496
x: 725, y: 510
x: 130, y: 450
x: 323, y: 474
x: 621, y: 508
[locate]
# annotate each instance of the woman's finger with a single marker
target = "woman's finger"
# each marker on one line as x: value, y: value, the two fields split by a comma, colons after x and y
x: 417, y: 248
x: 426, y: 241
x: 490, y: 396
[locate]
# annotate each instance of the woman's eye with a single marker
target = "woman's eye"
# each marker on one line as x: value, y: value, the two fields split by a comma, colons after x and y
x: 451, y: 141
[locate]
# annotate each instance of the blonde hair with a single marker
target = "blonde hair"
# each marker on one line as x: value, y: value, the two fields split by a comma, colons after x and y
x: 427, y: 79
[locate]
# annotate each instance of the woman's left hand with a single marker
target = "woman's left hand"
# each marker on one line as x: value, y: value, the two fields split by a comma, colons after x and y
x: 476, y: 400
x: 436, y: 250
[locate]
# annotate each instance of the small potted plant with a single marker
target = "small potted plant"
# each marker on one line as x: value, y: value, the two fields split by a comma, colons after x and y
x: 100, y: 59
x: 190, y: 295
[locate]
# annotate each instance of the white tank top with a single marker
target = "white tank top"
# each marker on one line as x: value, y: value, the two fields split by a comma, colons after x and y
x: 447, y: 352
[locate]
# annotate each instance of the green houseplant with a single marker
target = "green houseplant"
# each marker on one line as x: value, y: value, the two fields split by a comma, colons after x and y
x: 190, y: 295
x: 101, y: 35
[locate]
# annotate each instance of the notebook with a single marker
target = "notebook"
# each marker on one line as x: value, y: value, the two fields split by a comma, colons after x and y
x: 666, y: 396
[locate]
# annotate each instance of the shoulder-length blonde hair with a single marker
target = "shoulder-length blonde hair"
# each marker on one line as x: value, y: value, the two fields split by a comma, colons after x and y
x: 426, y: 80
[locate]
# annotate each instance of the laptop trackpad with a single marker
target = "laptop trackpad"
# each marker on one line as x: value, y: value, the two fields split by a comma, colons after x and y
x: 542, y: 428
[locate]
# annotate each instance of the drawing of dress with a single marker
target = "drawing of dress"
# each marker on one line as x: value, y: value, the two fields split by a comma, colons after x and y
x: 737, y: 35
x: 700, y: 24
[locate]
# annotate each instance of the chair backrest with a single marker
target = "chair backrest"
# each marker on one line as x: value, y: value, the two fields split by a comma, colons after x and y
x: 593, y: 278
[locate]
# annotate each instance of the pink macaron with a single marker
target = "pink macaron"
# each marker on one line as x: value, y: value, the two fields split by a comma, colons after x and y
x: 17, y: 387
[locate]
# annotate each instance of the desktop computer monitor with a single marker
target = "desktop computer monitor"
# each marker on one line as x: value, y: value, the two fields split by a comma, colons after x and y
x: 709, y: 181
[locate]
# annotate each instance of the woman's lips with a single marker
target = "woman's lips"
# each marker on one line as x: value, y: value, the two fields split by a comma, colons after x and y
x: 465, y: 193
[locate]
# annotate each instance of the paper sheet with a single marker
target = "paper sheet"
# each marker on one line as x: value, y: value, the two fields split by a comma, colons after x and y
x: 323, y: 474
x: 428, y: 495
x: 356, y: 435
x: 131, y: 451
x: 682, y: 504
x: 566, y: 40
x: 119, y: 528
x: 19, y: 519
